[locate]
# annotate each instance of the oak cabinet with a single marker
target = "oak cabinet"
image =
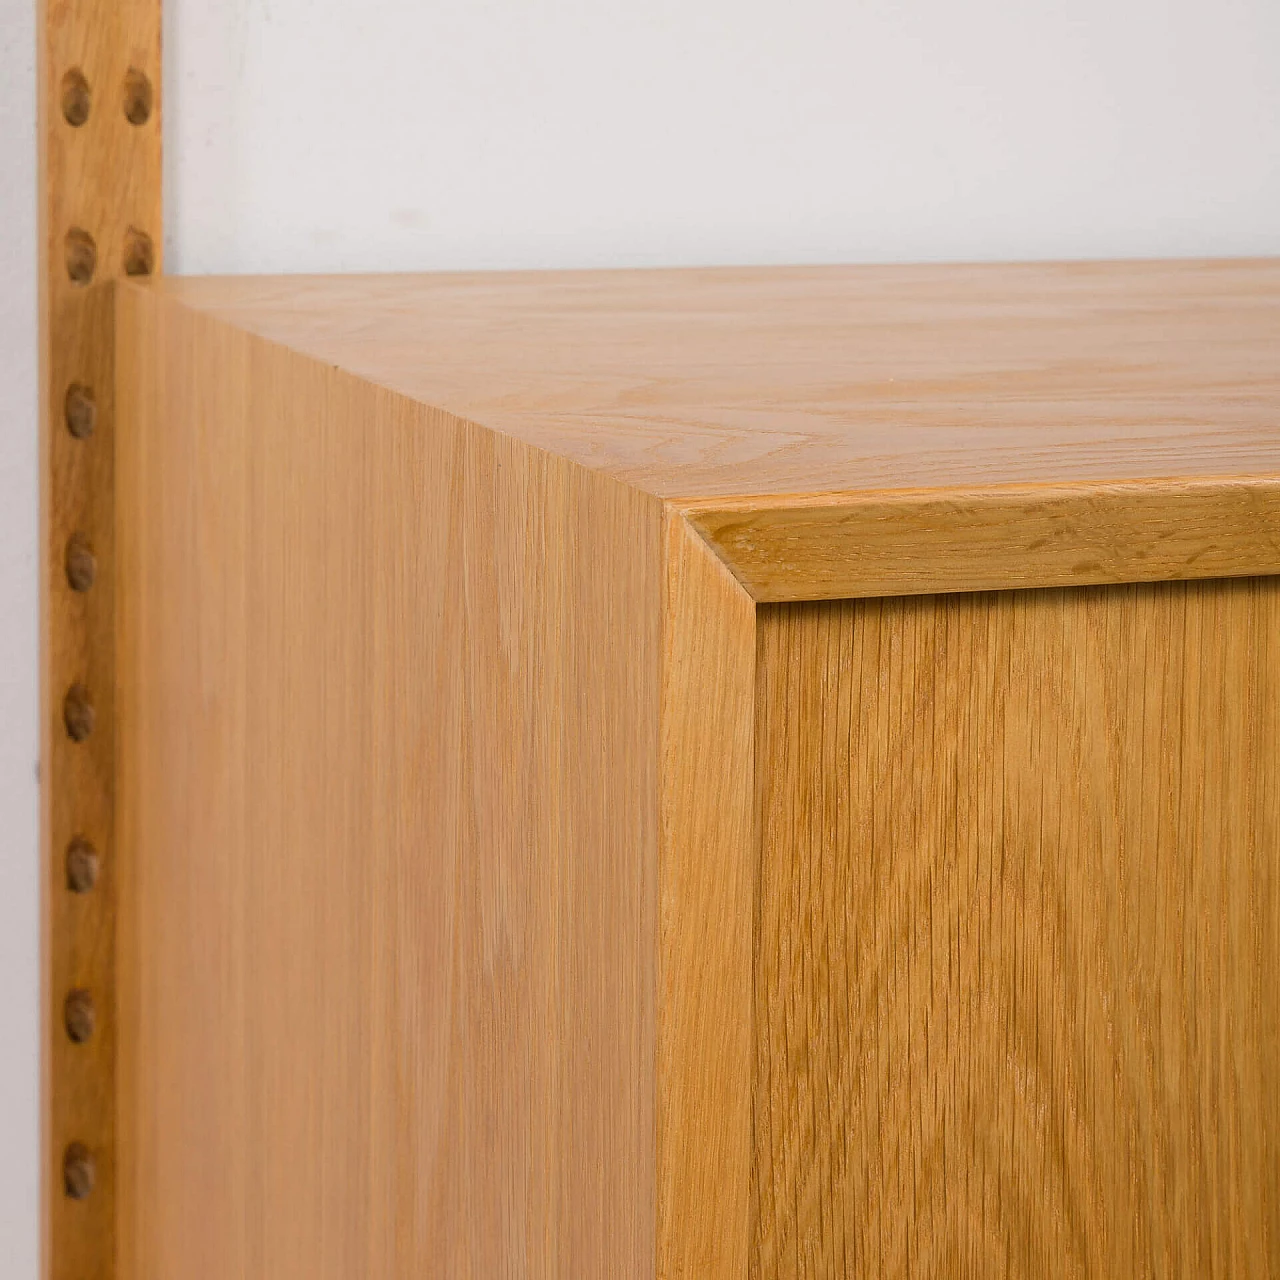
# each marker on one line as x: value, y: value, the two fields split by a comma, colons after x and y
x: 740, y: 773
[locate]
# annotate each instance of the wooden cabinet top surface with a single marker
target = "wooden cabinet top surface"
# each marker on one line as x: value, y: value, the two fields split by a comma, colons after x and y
x: 1122, y: 418
x: 706, y: 383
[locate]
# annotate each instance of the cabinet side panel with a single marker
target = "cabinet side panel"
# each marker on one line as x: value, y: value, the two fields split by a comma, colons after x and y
x: 1019, y: 934
x: 708, y: 870
x: 390, y: 789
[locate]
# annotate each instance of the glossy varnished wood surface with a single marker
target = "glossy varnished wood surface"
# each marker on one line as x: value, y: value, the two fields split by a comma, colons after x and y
x: 389, y: 778
x: 99, y: 195
x: 1018, y: 935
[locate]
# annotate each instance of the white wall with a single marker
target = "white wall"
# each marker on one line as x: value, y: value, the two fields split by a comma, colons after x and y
x: 393, y: 134
x: 388, y: 134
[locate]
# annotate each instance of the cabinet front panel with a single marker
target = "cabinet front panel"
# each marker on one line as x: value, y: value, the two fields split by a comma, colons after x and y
x: 1017, y: 954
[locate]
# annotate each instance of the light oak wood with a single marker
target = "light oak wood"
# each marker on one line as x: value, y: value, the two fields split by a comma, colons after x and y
x: 390, y: 785
x: 492, y: 881
x: 735, y: 382
x: 1019, y: 932
x: 99, y: 212
x: 842, y: 431
x: 920, y: 542
x: 707, y: 886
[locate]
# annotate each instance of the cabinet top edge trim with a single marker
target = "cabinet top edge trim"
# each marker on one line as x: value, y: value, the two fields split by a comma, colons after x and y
x: 938, y: 541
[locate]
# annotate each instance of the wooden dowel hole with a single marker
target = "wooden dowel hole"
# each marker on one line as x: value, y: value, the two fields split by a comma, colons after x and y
x: 76, y: 98
x: 81, y: 564
x: 78, y: 713
x: 139, y: 254
x: 78, y: 1171
x: 81, y: 411
x: 82, y: 866
x: 137, y: 96
x: 81, y: 254
x: 79, y: 1015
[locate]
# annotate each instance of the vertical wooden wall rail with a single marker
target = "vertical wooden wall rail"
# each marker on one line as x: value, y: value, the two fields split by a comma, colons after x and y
x: 99, y: 219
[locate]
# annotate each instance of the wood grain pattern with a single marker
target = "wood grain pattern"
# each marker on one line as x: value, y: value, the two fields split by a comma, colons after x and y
x: 848, y: 431
x: 390, y: 780
x: 499, y: 899
x: 1019, y: 935
x: 707, y: 891
x: 743, y: 382
x: 99, y: 194
x: 924, y: 542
